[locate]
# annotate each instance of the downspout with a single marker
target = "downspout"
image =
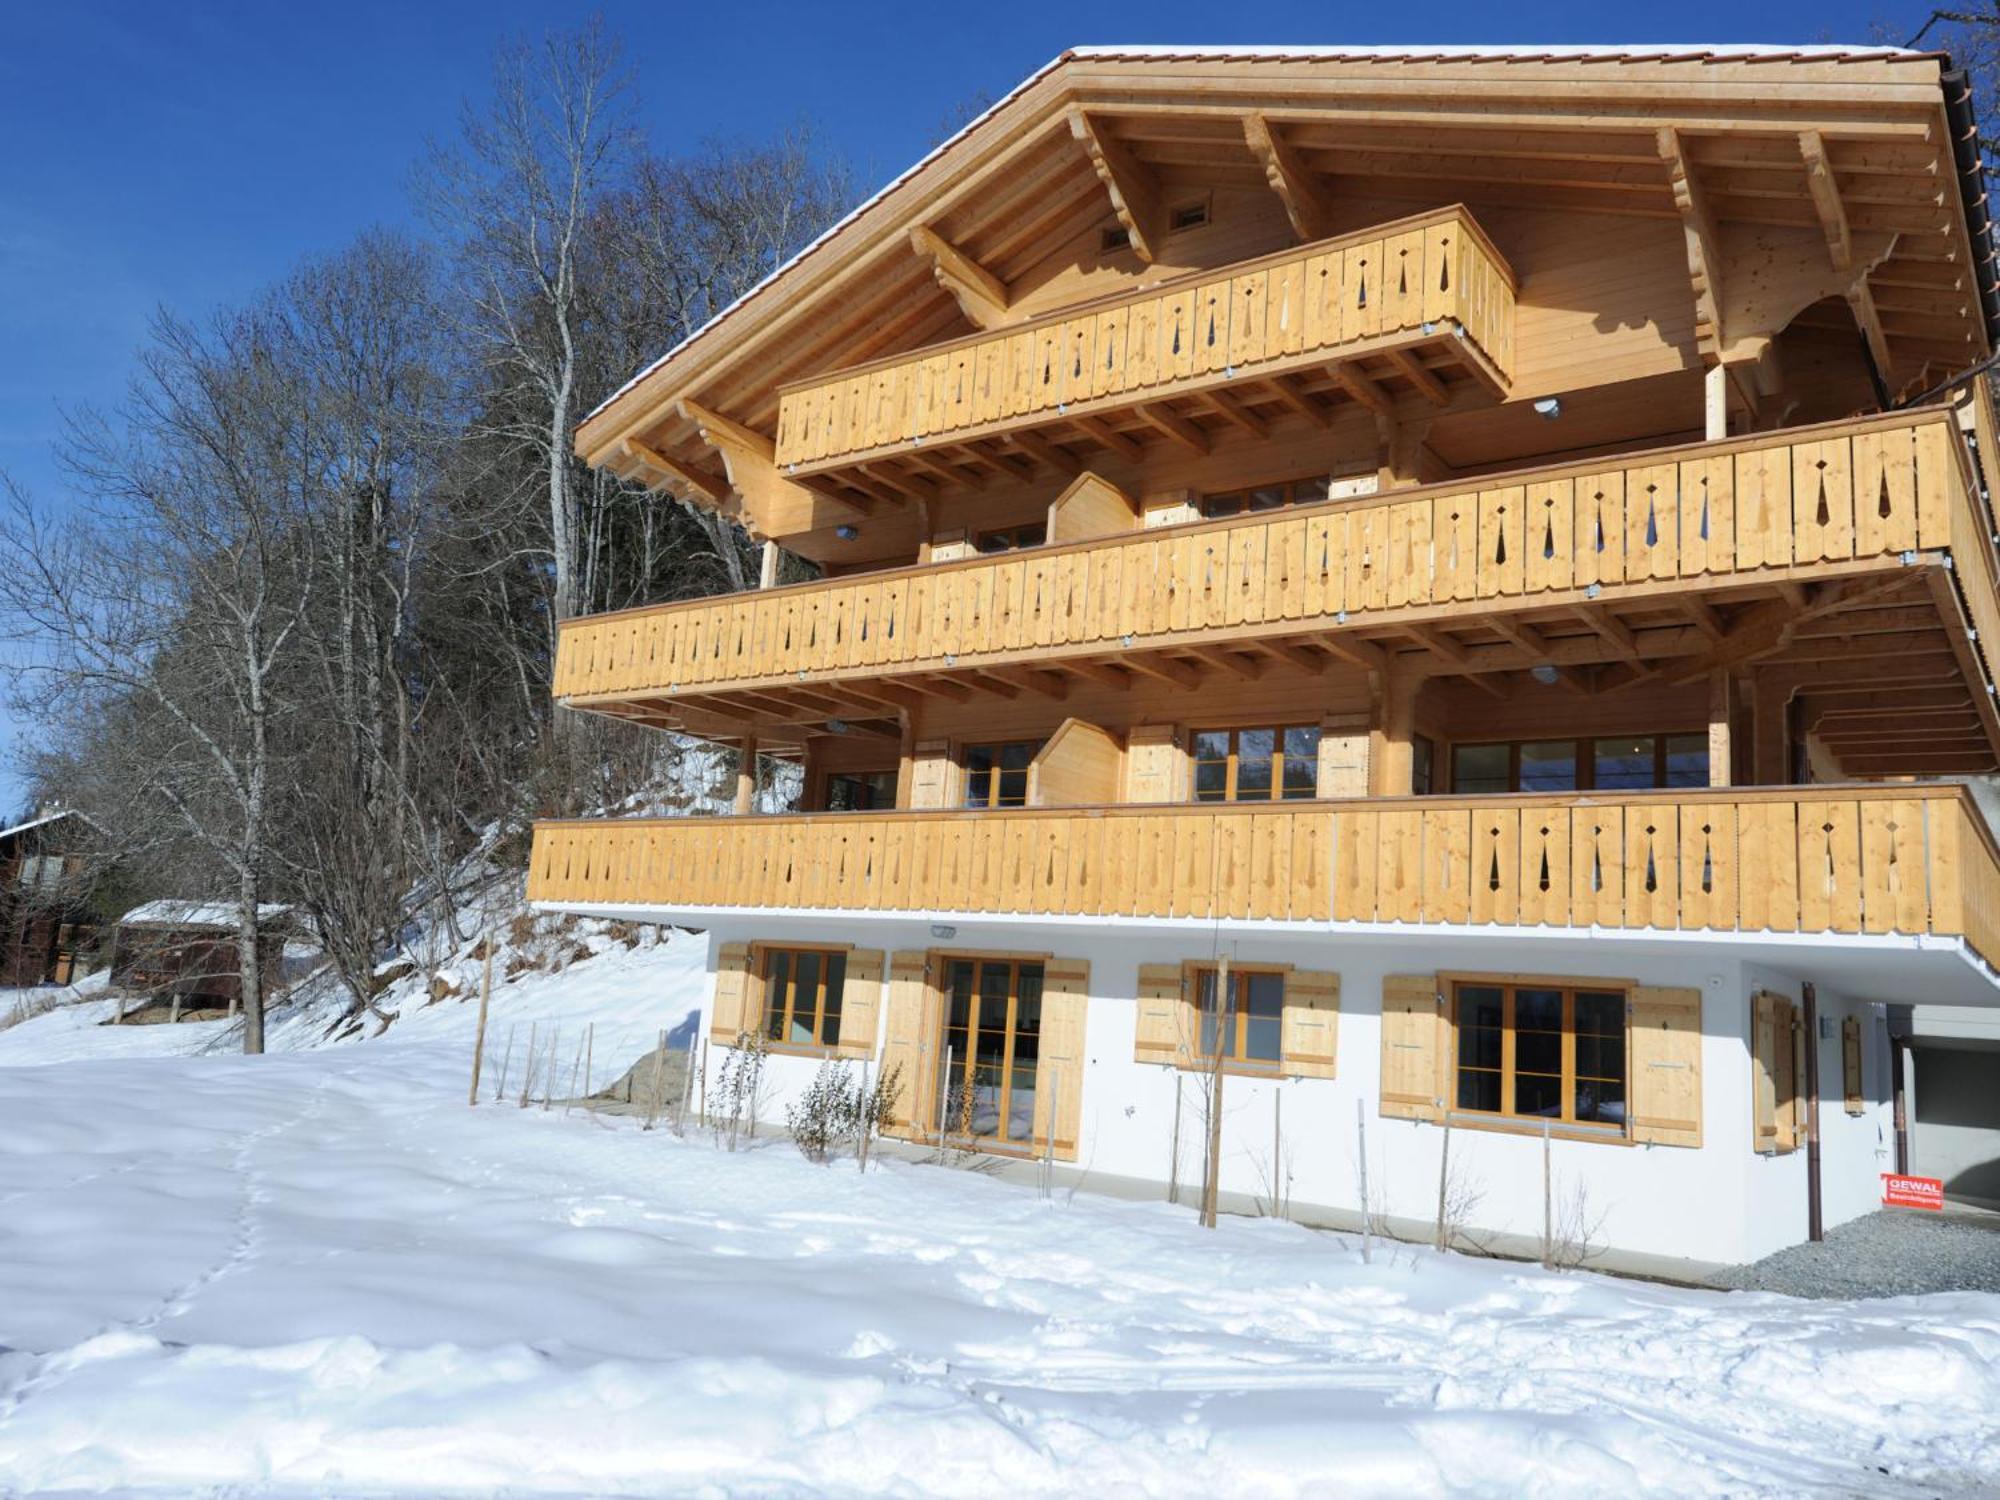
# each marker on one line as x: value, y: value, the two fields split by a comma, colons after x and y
x: 1809, y: 1000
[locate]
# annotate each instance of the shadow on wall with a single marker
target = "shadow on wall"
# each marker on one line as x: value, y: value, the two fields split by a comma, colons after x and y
x: 1958, y: 1120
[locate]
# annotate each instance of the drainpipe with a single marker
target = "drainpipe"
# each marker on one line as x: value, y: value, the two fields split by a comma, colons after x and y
x: 1815, y: 1231
x: 1898, y: 1053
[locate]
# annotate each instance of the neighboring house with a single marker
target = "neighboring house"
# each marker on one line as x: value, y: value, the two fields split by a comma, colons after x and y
x: 1438, y: 530
x: 185, y: 953
x: 47, y: 923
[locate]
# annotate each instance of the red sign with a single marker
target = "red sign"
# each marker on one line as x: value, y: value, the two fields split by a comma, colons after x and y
x: 1912, y: 1192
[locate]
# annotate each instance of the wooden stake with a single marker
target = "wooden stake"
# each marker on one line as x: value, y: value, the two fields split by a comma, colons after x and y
x: 653, y: 1097
x: 528, y: 1068
x: 479, y: 1038
x: 1444, y: 1177
x: 1548, y: 1207
x: 575, y: 1064
x: 589, y: 1044
x: 1277, y: 1152
x: 506, y: 1061
x: 1174, y: 1166
x: 1211, y: 1186
x: 1361, y: 1133
x: 549, y: 1069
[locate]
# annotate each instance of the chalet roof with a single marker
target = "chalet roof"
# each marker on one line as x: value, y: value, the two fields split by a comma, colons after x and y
x: 181, y: 915
x: 40, y: 820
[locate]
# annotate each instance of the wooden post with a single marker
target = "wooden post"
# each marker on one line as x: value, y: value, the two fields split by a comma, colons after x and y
x: 1715, y: 403
x: 1277, y: 1153
x: 569, y: 1096
x: 589, y: 1046
x: 1548, y: 1206
x: 1815, y: 1227
x: 528, y: 1068
x: 659, y: 1067
x: 1211, y: 1185
x: 174, y: 1010
x: 1174, y: 1163
x: 1771, y: 739
x: 1389, y: 740
x: 1444, y: 1179
x: 549, y: 1069
x: 767, y: 572
x: 746, y: 776
x: 1361, y: 1134
x: 479, y: 1037
x: 1721, y: 700
x: 506, y: 1062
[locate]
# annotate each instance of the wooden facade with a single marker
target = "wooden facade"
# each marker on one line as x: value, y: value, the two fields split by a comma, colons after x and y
x: 48, y: 926
x: 1347, y: 400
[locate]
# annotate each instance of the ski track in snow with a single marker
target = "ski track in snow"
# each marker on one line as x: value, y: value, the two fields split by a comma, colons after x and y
x: 322, y: 1274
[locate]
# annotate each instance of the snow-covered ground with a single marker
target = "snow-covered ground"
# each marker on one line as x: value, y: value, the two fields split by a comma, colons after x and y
x: 320, y: 1273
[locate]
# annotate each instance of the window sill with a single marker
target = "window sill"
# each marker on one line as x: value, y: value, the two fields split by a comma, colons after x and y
x: 1602, y: 1135
x: 1236, y: 1069
x: 800, y: 1049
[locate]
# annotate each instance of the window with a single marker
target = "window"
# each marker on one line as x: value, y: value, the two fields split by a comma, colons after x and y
x: 1264, y: 497
x: 802, y: 990
x: 1422, y: 754
x: 993, y: 1028
x: 1256, y: 765
x: 1252, y: 1026
x: 40, y: 872
x: 860, y: 791
x: 1609, y: 763
x: 997, y: 775
x: 1531, y: 1052
x: 1187, y: 216
x: 1014, y: 538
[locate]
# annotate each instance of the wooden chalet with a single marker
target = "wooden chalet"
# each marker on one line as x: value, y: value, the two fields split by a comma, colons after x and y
x: 1496, y: 544
x: 184, y: 957
x: 48, y: 925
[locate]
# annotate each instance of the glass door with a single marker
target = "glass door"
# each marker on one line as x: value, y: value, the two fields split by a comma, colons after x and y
x: 993, y: 1026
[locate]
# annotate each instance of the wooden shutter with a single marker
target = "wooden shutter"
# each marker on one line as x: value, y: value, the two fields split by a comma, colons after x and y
x: 1166, y: 1021
x: 930, y: 774
x: 860, y: 1003
x: 1774, y: 1072
x: 1664, y: 1045
x: 1850, y: 1060
x: 730, y: 1015
x: 1343, y: 757
x: 907, y: 1046
x: 1413, y: 1049
x: 1309, y: 1036
x: 1791, y: 1065
x: 1153, y: 763
x: 1059, y: 1072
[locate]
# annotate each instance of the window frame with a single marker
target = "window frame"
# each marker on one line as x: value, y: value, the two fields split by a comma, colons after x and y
x: 1584, y: 749
x: 1299, y: 490
x: 1235, y: 1061
x: 830, y: 775
x: 1567, y: 1125
x: 761, y: 955
x: 992, y: 802
x: 1012, y: 536
x: 1001, y: 1144
x: 1233, y: 761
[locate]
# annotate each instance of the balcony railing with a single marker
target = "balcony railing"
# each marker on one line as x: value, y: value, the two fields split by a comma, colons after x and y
x: 1835, y: 859
x: 1431, y: 280
x: 1698, y: 516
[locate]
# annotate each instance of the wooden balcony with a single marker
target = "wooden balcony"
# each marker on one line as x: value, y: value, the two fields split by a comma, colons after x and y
x: 1826, y: 859
x: 1421, y: 302
x: 1652, y: 563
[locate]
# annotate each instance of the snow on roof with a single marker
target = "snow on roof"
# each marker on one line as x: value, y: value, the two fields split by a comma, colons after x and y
x: 194, y: 914
x: 1681, y: 52
x: 49, y: 817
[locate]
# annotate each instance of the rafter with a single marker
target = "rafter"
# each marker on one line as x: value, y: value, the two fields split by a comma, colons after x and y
x: 1174, y: 425
x: 1179, y: 674
x: 1826, y: 199
x: 982, y: 296
x: 1307, y: 203
x: 711, y: 486
x: 1237, y: 413
x: 1118, y: 442
x: 1408, y: 367
x: 1133, y: 189
x: 1362, y: 389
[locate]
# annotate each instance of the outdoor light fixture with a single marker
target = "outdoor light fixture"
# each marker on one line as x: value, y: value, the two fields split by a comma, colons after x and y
x: 1548, y: 408
x: 944, y: 931
x: 836, y: 726
x: 847, y: 533
x: 1544, y: 674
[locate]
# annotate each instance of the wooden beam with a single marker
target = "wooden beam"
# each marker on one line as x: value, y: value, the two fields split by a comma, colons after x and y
x: 1044, y: 452
x: 1292, y: 654
x: 982, y: 296
x: 1411, y: 370
x: 1118, y: 442
x: 1228, y: 661
x: 1861, y: 302
x: 1237, y: 413
x: 1133, y: 189
x: 1357, y: 652
x: 1702, y: 238
x: 1825, y: 190
x: 1172, y: 424
x: 1614, y: 630
x: 1104, y: 674
x: 1363, y: 390
x: 711, y: 486
x: 1307, y: 204
x: 1306, y: 406
x: 1179, y: 674
x: 1043, y: 684
x: 1453, y: 653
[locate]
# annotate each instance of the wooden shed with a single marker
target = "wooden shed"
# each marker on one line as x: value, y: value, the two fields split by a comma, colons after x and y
x: 185, y: 953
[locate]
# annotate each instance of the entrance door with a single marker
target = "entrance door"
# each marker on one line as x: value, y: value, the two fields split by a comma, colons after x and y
x: 993, y: 1028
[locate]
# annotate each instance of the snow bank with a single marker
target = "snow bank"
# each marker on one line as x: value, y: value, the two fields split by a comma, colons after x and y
x: 320, y: 1273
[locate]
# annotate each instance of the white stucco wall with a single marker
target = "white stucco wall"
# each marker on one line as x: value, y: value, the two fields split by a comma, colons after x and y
x: 1718, y: 1203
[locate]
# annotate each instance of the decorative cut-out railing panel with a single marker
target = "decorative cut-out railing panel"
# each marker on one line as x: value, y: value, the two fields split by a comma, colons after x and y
x: 1902, y: 859
x: 1430, y: 277
x: 1699, y: 515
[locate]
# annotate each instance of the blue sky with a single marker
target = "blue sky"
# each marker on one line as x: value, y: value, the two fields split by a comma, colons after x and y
x: 188, y: 154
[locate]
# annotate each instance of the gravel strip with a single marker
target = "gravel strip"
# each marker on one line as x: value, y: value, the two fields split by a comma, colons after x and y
x: 1888, y: 1253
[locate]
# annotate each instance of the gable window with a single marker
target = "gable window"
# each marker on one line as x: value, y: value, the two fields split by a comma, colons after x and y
x: 802, y: 994
x: 1263, y: 497
x: 1188, y: 216
x: 860, y: 791
x: 1014, y: 538
x: 1272, y: 764
x: 1251, y: 1025
x: 1607, y: 763
x: 1532, y: 1052
x: 997, y: 775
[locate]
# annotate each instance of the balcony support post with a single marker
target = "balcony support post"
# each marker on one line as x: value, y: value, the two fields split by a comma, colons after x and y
x: 767, y: 571
x: 746, y: 776
x: 1721, y: 702
x: 1392, y: 732
x: 1771, y: 739
x: 1715, y: 402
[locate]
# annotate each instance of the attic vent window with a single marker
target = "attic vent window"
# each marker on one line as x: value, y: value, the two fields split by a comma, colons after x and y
x: 1188, y: 216
x: 1117, y: 237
